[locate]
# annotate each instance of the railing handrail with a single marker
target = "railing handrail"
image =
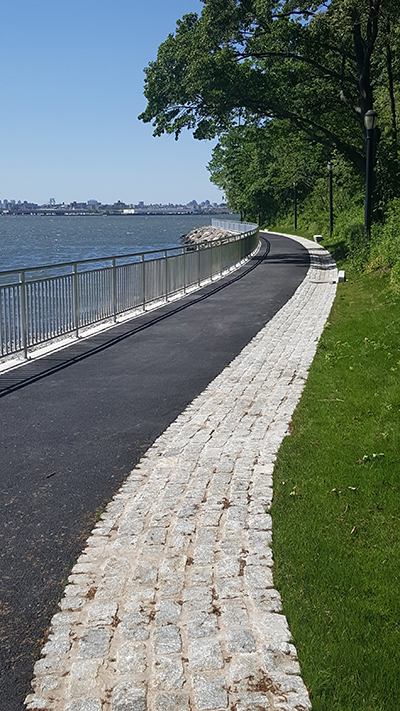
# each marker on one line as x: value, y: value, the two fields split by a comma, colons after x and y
x: 46, y: 304
x: 243, y: 226
x: 142, y: 254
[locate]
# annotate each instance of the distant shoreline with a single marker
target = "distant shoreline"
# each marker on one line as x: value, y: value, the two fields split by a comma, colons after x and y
x: 36, y: 240
x: 117, y: 213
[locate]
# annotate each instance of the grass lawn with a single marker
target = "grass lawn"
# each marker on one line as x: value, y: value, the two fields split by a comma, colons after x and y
x: 336, y: 509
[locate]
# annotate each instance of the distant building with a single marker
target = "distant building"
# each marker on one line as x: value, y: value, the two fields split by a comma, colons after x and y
x: 94, y: 206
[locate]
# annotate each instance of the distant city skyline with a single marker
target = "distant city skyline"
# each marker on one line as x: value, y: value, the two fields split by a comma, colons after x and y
x: 51, y: 207
x: 69, y: 115
x: 52, y: 202
x: 93, y: 201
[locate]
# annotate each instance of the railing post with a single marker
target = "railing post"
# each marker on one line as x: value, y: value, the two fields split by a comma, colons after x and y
x: 114, y: 288
x: 199, y: 263
x: 24, y: 320
x: 76, y: 298
x: 184, y: 270
x: 144, y: 282
x: 166, y: 275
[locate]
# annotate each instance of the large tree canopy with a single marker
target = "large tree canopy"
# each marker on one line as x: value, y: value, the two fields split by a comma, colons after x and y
x: 256, y: 168
x: 253, y: 61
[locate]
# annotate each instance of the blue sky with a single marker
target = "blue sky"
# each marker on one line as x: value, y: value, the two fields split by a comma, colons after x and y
x: 72, y: 88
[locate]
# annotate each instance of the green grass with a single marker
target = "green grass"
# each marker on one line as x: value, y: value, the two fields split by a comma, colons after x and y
x: 336, y: 509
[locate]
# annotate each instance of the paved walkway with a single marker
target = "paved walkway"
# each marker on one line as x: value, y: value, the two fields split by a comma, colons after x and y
x: 171, y: 606
x: 75, y: 423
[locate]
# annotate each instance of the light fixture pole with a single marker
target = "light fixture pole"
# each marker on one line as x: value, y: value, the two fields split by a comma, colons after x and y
x: 330, y: 199
x: 370, y: 124
x: 295, y: 204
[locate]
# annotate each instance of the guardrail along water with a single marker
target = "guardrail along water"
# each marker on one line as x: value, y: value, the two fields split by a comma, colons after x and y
x: 44, y: 304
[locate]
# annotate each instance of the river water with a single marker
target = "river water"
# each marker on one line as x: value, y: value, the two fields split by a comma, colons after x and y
x: 34, y: 240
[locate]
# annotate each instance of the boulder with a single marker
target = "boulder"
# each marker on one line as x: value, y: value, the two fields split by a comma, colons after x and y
x: 205, y: 234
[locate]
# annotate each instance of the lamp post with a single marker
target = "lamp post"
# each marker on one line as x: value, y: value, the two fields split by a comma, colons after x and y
x: 295, y: 205
x: 370, y: 124
x: 330, y: 199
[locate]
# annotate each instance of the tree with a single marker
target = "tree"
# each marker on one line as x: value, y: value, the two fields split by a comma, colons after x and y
x: 313, y: 64
x: 256, y: 168
x: 239, y: 167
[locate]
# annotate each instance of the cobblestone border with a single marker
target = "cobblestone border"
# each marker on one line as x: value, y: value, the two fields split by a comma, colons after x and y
x: 171, y: 606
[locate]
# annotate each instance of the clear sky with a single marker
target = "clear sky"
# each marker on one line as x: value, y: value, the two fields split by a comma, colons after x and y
x: 71, y: 91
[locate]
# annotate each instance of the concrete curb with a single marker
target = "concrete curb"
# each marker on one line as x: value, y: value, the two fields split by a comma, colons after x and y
x: 171, y: 606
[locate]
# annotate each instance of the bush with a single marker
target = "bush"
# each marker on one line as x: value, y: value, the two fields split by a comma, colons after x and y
x: 352, y: 232
x: 385, y: 248
x: 348, y: 241
x: 395, y: 277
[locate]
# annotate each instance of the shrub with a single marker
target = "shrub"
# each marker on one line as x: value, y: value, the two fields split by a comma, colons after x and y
x: 395, y: 277
x: 385, y: 242
x: 352, y: 232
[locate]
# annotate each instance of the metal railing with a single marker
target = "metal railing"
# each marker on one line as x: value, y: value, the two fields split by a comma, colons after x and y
x: 234, y: 226
x: 42, y: 304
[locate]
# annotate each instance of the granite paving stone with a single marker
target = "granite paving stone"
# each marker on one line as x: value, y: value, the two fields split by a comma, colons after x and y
x: 172, y: 606
x: 205, y: 654
x: 172, y: 702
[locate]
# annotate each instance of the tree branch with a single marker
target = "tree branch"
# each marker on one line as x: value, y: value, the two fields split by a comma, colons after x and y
x: 306, y: 125
x: 292, y: 55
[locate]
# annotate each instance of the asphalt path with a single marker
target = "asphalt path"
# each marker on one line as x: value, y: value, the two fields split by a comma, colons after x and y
x: 74, y: 424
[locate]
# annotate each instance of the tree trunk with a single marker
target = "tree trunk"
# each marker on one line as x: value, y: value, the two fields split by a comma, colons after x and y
x: 363, y: 52
x: 389, y: 66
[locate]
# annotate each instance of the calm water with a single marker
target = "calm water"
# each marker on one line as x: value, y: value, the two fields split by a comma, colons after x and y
x: 35, y: 240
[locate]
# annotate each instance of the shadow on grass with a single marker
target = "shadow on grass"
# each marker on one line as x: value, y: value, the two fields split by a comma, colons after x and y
x: 338, y: 250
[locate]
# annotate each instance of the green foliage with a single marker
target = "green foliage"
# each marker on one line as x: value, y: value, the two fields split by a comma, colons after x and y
x: 256, y: 168
x: 352, y: 233
x: 385, y: 248
x: 285, y: 86
x: 239, y: 167
x: 313, y: 214
x: 313, y: 65
x: 395, y: 277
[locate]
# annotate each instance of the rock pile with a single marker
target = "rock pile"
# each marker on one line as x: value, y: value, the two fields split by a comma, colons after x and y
x: 205, y: 234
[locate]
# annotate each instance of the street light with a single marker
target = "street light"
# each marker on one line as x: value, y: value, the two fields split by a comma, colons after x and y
x: 295, y: 205
x: 330, y: 199
x: 370, y: 124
